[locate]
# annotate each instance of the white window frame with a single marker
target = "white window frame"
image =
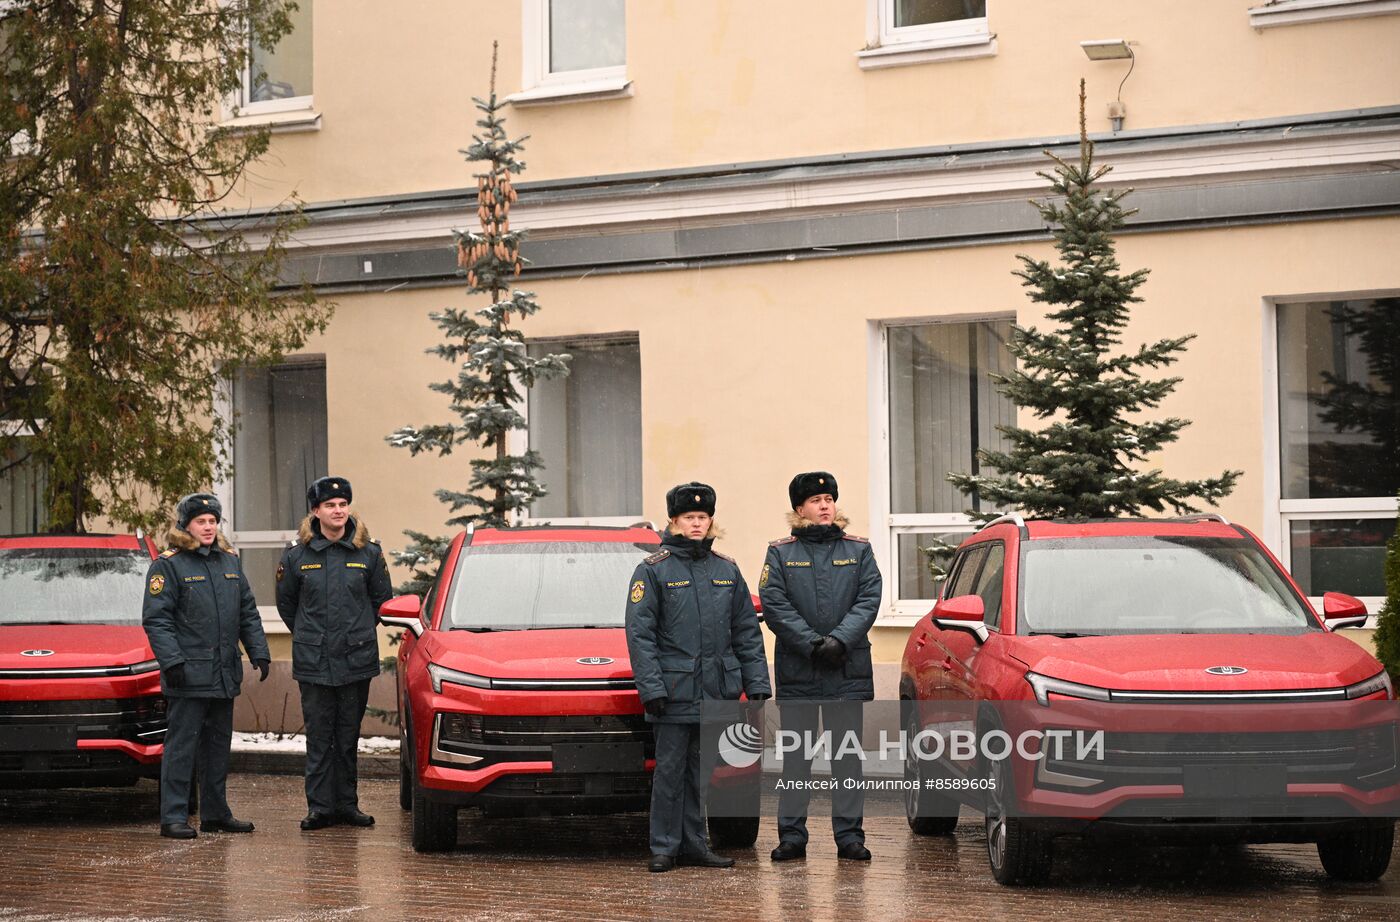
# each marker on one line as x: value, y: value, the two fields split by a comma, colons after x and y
x: 540, y: 86
x: 274, y: 539
x: 296, y: 113
x: 886, y: 526
x: 891, y: 46
x: 1279, y: 513
x: 1302, y: 12
x: 518, y: 440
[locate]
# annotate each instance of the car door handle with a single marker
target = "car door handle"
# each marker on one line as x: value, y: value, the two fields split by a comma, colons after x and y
x: 948, y: 663
x: 920, y: 641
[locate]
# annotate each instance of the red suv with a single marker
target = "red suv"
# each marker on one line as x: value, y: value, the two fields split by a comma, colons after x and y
x: 1227, y: 705
x: 80, y: 700
x: 515, y: 690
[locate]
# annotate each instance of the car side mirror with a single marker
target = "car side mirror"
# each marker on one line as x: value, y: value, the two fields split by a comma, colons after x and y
x: 1340, y: 610
x: 962, y: 613
x: 402, y: 611
x: 757, y: 605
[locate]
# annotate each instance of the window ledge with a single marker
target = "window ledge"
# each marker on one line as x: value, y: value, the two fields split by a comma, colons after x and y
x: 279, y: 122
x: 961, y: 48
x: 586, y: 91
x: 1300, y: 12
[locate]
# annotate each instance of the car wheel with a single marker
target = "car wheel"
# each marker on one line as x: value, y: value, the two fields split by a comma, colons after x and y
x: 929, y: 813
x: 733, y: 819
x: 733, y: 831
x: 1360, y: 853
x: 1017, y: 852
x: 434, y: 824
x: 405, y: 764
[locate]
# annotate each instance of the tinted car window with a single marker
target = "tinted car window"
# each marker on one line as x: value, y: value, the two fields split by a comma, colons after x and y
x: 964, y: 575
x: 989, y: 583
x: 72, y: 585
x: 1154, y: 585
x: 542, y: 585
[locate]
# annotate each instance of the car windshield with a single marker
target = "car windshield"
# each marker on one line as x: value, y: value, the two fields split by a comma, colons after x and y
x: 1155, y: 585
x: 556, y: 584
x: 72, y: 585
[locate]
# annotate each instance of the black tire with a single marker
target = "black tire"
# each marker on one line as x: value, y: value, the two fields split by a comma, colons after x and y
x: 405, y: 764
x: 1360, y: 853
x: 434, y: 824
x: 733, y: 831
x: 1017, y: 852
x: 929, y: 813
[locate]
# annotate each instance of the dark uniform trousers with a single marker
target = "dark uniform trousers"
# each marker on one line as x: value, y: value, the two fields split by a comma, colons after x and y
x: 333, y: 714
x: 685, y: 759
x: 198, y: 736
x: 840, y: 719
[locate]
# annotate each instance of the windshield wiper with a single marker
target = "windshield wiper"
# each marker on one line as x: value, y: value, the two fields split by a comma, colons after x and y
x: 33, y: 623
x: 485, y: 630
x: 1061, y: 634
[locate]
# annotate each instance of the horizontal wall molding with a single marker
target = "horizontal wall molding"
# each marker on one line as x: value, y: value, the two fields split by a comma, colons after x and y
x: 1318, y: 167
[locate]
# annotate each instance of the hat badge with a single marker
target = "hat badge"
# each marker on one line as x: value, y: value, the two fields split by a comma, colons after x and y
x: 335, y: 486
x: 697, y: 497
x: 205, y: 501
x: 821, y: 480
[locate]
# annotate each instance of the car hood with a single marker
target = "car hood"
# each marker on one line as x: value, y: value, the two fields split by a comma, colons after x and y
x: 1177, y: 662
x: 537, y: 654
x: 73, y: 645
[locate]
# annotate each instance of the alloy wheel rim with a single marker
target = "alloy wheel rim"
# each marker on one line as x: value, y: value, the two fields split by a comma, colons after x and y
x: 996, y: 818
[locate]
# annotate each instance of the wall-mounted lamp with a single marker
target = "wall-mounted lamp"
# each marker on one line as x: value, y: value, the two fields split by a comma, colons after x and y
x: 1112, y: 49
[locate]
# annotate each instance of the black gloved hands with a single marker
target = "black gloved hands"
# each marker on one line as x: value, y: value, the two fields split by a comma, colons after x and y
x: 262, y: 666
x: 656, y: 706
x: 175, y: 676
x: 829, y: 653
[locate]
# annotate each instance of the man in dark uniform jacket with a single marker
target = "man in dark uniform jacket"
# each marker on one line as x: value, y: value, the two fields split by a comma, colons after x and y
x: 820, y: 590
x: 330, y: 585
x: 693, y: 637
x: 198, y: 606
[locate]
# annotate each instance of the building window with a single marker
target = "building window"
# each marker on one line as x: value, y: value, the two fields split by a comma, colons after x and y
x: 22, y: 483
x: 943, y: 406
x: 573, y: 50
x: 278, y: 81
x: 1339, y: 441
x: 587, y: 426
x: 278, y: 450
x: 919, y: 31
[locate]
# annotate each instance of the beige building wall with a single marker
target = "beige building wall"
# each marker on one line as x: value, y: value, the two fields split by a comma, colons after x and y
x: 752, y: 373
x: 723, y: 81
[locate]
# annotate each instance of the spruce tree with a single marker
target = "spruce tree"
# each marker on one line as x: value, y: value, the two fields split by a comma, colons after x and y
x: 1387, y: 637
x: 1089, y: 461
x: 494, y: 362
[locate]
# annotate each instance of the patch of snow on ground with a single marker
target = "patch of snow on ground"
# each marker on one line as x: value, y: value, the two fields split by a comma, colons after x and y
x: 296, y: 742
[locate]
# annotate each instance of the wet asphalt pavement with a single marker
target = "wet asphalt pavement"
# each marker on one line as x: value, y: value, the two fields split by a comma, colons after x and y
x: 95, y: 855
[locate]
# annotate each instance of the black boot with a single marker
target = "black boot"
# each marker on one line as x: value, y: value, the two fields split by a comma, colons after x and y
x: 853, y: 851
x: 354, y: 817
x: 177, y: 831
x: 660, y: 863
x: 316, y: 820
x: 705, y: 859
x: 789, y: 851
x: 228, y: 825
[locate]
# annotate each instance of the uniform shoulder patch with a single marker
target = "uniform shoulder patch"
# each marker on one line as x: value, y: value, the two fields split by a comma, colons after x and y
x: 858, y: 538
x: 169, y: 552
x: 722, y: 556
x: 781, y: 541
x: 658, y: 556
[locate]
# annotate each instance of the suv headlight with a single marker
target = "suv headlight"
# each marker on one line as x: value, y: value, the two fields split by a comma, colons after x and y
x: 149, y: 665
x: 1044, y: 686
x: 441, y: 674
x: 1378, y: 682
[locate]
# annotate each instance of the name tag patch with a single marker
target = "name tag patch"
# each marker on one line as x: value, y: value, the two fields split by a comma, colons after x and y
x: 358, y: 566
x: 844, y: 563
x: 311, y: 566
x: 797, y: 563
x: 230, y: 576
x: 678, y: 584
x: 194, y: 579
x: 722, y: 582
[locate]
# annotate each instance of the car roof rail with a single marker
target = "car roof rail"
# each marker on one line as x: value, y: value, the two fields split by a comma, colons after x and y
x: 1203, y: 517
x: 1012, y: 517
